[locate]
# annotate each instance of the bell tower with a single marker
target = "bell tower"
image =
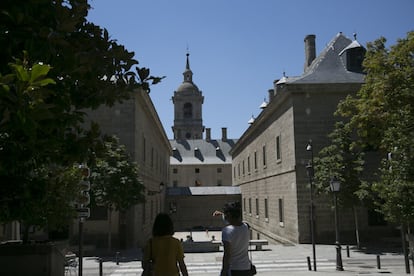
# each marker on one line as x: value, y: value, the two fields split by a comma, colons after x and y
x: 188, y: 101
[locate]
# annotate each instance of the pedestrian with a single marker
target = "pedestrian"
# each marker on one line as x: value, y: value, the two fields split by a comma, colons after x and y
x: 235, y: 238
x: 164, y: 252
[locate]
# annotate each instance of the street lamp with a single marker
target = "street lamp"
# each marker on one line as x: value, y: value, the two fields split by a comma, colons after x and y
x: 335, y: 187
x: 310, y: 171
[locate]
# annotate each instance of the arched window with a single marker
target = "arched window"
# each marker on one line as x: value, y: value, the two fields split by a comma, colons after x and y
x: 188, y: 110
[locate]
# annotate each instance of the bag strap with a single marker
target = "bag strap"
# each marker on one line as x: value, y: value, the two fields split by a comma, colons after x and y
x: 250, y: 252
x: 250, y: 249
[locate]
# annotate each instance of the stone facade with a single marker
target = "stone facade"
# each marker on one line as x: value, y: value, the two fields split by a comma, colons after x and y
x: 269, y: 160
x: 191, y: 208
x: 201, y: 163
x: 136, y: 123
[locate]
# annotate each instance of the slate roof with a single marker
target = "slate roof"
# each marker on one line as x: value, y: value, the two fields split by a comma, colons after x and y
x: 200, y: 191
x: 330, y: 65
x: 201, y: 151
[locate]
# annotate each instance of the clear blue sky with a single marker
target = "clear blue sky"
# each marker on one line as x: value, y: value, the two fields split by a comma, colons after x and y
x: 238, y: 47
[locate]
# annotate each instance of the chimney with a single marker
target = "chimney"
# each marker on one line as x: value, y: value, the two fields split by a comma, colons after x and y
x: 310, y: 50
x: 208, y: 134
x: 271, y: 94
x: 224, y: 134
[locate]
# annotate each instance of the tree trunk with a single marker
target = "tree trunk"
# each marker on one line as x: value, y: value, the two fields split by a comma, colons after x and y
x: 356, y: 226
x: 405, y: 249
x: 25, y: 233
x: 109, y: 229
x: 410, y: 237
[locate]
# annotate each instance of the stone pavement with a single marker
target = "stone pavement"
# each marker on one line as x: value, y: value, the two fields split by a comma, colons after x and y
x: 272, y: 260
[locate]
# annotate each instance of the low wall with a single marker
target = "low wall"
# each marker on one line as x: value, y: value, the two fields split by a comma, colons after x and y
x: 31, y: 259
x: 200, y: 247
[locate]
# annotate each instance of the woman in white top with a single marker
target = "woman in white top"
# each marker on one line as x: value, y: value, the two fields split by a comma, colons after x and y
x: 235, y: 238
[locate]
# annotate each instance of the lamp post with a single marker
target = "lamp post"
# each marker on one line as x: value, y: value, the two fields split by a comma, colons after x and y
x: 335, y: 187
x: 310, y: 171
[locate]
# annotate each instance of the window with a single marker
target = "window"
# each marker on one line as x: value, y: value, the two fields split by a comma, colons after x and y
x: 175, y: 170
x: 250, y: 206
x: 219, y: 182
x: 266, y: 209
x: 234, y: 171
x: 354, y: 59
x: 152, y: 157
x: 99, y: 213
x: 173, y: 207
x: 143, y: 213
x: 375, y: 218
x: 175, y: 183
x: 238, y: 168
x: 264, y: 155
x: 278, y: 154
x: 152, y: 209
x: 188, y: 110
x: 197, y: 170
x: 281, y: 213
x: 257, y: 207
x: 144, y: 149
x: 244, y: 168
x: 248, y: 164
x: 219, y: 170
x: 244, y: 204
x: 255, y: 160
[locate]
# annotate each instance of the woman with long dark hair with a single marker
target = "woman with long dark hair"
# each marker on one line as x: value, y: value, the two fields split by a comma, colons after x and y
x: 164, y: 252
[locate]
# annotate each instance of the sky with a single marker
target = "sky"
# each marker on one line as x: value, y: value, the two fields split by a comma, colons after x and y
x: 238, y: 47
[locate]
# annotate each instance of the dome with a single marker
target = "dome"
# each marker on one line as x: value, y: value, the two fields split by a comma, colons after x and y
x: 187, y: 87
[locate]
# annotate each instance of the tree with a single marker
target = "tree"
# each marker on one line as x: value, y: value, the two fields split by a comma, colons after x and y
x: 115, y: 179
x: 32, y: 191
x: 53, y: 65
x: 343, y: 160
x: 383, y: 115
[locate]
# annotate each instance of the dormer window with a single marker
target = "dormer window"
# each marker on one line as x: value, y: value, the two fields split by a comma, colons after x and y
x: 353, y: 56
x: 354, y: 59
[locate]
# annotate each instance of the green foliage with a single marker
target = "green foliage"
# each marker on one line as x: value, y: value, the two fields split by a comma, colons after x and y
x: 383, y: 115
x: 53, y: 65
x: 115, y: 178
x: 343, y: 160
x: 33, y: 189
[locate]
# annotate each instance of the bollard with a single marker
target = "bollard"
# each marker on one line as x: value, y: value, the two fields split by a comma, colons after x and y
x: 309, y: 263
x: 100, y: 267
x: 378, y: 262
x: 117, y: 258
x: 347, y: 251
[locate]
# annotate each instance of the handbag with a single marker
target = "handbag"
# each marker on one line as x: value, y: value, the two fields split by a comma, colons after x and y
x: 149, y: 266
x: 252, y: 269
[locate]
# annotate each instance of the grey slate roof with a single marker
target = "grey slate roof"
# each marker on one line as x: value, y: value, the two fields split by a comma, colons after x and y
x: 200, y: 191
x: 329, y: 66
x: 200, y: 151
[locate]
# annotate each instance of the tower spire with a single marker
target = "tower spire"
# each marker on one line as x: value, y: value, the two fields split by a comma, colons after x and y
x: 187, y: 65
x: 188, y: 74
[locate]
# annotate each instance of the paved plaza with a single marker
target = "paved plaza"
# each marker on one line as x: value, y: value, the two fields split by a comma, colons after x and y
x: 272, y: 260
